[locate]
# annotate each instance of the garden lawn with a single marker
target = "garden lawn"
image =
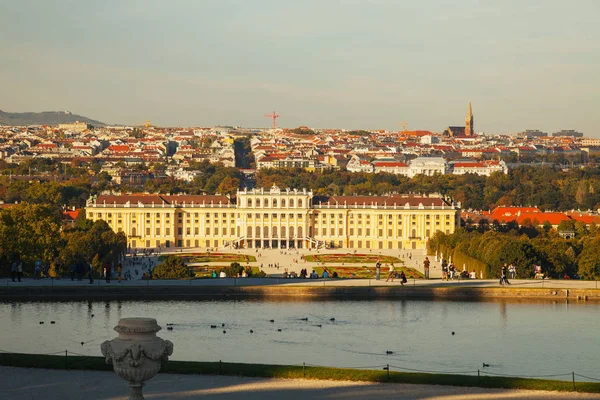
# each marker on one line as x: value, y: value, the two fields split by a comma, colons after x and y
x: 212, y: 257
x: 351, y: 258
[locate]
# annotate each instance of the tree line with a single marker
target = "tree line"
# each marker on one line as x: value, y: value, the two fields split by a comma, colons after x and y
x: 34, y: 232
x: 486, y: 247
x: 544, y: 187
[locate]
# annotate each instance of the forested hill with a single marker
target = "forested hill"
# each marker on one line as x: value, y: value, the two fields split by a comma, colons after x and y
x: 44, y: 118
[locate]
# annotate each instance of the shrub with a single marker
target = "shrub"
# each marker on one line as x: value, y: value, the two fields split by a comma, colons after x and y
x: 172, y: 268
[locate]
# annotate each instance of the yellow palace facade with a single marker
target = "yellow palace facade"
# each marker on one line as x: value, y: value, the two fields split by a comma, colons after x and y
x: 276, y: 218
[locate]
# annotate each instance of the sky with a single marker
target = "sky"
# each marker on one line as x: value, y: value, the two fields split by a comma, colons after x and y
x: 350, y: 64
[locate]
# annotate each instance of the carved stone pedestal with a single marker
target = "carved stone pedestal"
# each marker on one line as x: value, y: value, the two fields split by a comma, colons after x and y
x: 137, y: 354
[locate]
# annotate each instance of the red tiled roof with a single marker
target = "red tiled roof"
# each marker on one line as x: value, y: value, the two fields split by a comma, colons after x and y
x: 506, y: 214
x: 158, y: 199
x: 554, y: 218
x: 119, y: 148
x: 389, y: 164
x: 71, y: 214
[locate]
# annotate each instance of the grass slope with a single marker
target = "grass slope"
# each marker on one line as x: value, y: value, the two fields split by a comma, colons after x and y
x: 299, y: 371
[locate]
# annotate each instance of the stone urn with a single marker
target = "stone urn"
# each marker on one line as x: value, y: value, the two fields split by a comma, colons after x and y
x: 137, y: 354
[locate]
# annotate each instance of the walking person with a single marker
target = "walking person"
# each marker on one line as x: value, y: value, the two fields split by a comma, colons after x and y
x: 391, y: 274
x: 512, y: 270
x: 91, y: 273
x: 19, y: 270
x: 402, y: 278
x: 13, y: 271
x: 503, y: 278
x: 107, y: 272
x: 119, y: 271
x: 444, y: 270
x: 451, y: 270
x: 37, y: 270
x: 426, y: 267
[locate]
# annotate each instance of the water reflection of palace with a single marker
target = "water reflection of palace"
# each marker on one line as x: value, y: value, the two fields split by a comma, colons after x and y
x: 276, y: 218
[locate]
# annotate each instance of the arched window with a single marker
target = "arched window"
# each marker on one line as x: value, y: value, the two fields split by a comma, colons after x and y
x: 299, y: 202
x: 257, y: 202
x: 249, y: 231
x: 274, y: 232
x: 414, y: 233
x: 266, y: 232
x: 274, y: 202
x: 249, y: 202
x: 291, y: 202
x: 283, y: 231
x: 266, y: 202
x: 133, y: 232
x: 291, y: 231
x: 257, y: 231
x: 282, y: 202
x: 299, y: 231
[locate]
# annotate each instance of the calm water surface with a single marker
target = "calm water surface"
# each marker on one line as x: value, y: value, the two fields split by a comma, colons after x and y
x: 521, y: 339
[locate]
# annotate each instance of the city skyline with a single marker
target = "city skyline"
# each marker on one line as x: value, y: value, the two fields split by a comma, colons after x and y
x: 351, y: 64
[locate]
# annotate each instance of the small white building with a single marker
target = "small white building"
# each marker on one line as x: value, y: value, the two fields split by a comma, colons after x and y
x: 428, y: 166
x: 359, y: 164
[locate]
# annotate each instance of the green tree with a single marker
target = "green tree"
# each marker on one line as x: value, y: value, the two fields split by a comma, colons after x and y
x: 589, y: 260
x: 171, y: 268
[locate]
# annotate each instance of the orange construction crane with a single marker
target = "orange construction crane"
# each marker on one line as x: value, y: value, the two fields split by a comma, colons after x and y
x: 404, y: 125
x: 273, y: 116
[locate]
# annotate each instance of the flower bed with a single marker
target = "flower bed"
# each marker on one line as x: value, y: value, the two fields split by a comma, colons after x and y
x: 205, y: 271
x: 368, y: 272
x: 351, y: 258
x: 212, y: 257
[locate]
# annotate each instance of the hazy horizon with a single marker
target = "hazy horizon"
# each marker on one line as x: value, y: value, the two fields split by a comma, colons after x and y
x: 325, y: 64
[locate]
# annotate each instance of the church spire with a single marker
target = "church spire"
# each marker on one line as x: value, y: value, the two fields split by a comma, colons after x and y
x: 469, y: 122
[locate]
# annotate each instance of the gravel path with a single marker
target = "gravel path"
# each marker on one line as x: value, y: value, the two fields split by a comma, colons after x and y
x: 29, y: 383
